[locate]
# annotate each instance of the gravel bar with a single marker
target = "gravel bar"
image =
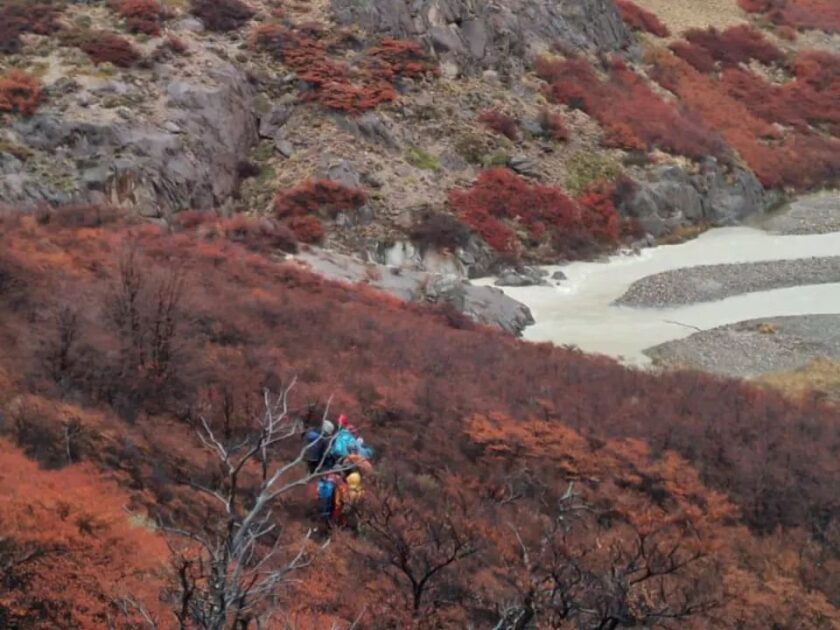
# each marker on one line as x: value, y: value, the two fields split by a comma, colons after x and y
x: 814, y: 214
x: 755, y: 347
x: 707, y: 283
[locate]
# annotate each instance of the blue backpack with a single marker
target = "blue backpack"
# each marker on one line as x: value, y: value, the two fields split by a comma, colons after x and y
x: 315, y: 446
x: 326, y: 493
x: 344, y: 444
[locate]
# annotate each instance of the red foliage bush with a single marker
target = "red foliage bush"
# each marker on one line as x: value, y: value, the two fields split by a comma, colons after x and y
x: 600, y: 217
x: 307, y: 229
x: 698, y: 57
x: 821, y: 15
x: 500, y: 123
x: 142, y: 16
x: 258, y: 234
x: 641, y: 19
x: 22, y: 16
x: 394, y: 58
x: 332, y: 83
x: 506, y: 426
x: 798, y: 160
x: 19, y: 92
x: 323, y: 197
x: 735, y: 45
x: 104, y: 47
x: 222, y: 15
x: 810, y: 99
x: 68, y: 553
x: 632, y: 115
x: 544, y: 212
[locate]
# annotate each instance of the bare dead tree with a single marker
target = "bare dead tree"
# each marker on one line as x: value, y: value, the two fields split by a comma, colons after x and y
x: 573, y: 576
x: 414, y: 547
x: 59, y: 355
x: 229, y: 575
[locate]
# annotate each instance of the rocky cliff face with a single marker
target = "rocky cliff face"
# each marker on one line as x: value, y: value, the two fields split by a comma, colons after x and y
x: 222, y: 126
x: 173, y: 144
x: 491, y: 34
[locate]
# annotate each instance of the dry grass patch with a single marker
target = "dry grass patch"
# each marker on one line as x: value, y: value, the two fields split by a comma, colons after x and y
x: 681, y: 15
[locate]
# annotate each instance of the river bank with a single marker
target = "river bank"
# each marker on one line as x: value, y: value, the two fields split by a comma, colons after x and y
x: 706, y: 283
x: 755, y: 347
x: 785, y: 265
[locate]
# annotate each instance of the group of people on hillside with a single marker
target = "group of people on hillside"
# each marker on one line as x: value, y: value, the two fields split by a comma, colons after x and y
x: 341, y: 458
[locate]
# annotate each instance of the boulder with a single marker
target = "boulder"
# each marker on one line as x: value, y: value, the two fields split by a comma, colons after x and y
x: 486, y: 305
x: 525, y: 277
x: 671, y: 197
x: 273, y: 121
x: 524, y: 165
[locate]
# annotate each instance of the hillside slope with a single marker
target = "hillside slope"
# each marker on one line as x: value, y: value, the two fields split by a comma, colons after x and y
x: 470, y: 426
x: 172, y: 174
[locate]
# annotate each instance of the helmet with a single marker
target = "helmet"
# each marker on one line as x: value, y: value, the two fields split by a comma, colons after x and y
x: 343, y: 421
x: 354, y: 479
x: 327, y: 427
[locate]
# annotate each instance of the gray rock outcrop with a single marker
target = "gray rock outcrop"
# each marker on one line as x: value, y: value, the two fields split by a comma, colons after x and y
x: 487, y: 305
x: 184, y: 158
x: 673, y: 197
x: 483, y: 33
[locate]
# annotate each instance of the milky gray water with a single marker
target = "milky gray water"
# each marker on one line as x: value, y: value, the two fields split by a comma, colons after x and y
x: 579, y: 311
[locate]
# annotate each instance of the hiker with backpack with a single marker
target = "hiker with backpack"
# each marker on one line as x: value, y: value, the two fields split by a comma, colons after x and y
x: 317, y: 447
x: 344, y: 457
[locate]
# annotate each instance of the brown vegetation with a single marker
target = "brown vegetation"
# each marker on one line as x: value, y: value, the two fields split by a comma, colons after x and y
x: 711, y: 502
x: 19, y: 93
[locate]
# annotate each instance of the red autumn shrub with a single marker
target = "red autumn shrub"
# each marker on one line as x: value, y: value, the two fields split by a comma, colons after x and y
x: 323, y: 197
x: 142, y: 16
x: 641, y: 19
x: 810, y: 99
x: 258, y: 234
x: 511, y: 423
x: 307, y: 229
x: 821, y: 15
x: 20, y: 16
x: 330, y: 81
x: 222, y: 15
x: 191, y: 219
x: 735, y: 45
x: 544, y: 212
x: 632, y: 115
x: 500, y: 123
x: 393, y: 58
x: 600, y: 218
x: 553, y: 126
x: 104, y: 47
x: 697, y: 56
x: 19, y: 92
x: 799, y: 160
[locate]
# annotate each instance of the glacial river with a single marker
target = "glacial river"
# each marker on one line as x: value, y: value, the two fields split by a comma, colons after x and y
x: 578, y: 311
